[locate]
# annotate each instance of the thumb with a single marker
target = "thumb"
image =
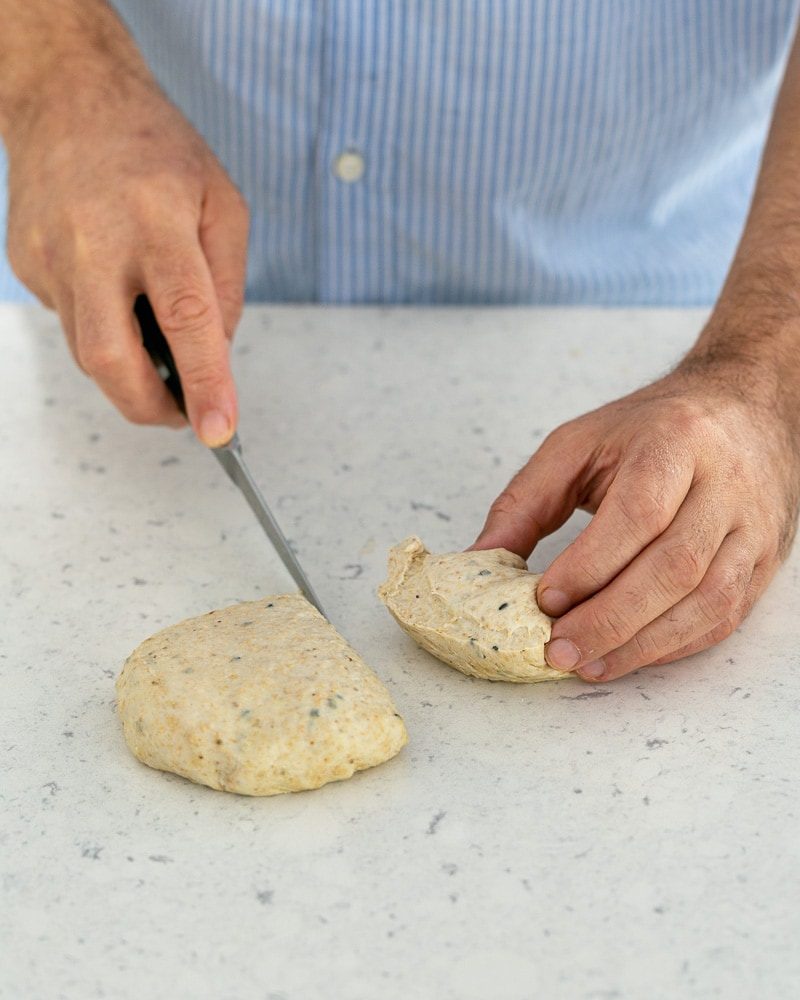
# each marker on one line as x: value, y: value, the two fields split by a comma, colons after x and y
x: 540, y: 497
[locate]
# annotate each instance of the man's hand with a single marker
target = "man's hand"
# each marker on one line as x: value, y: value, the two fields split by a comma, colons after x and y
x: 694, y: 484
x: 112, y: 193
x: 694, y: 481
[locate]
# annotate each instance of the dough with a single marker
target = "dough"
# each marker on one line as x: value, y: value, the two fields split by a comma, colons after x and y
x: 258, y: 698
x: 475, y: 611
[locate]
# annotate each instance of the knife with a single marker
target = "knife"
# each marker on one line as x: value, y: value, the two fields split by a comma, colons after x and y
x: 228, y: 455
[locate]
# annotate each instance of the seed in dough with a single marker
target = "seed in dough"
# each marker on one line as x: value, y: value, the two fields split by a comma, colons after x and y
x: 259, y: 698
x: 475, y: 611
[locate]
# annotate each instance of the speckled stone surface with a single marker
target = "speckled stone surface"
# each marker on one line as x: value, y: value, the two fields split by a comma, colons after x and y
x: 635, y: 840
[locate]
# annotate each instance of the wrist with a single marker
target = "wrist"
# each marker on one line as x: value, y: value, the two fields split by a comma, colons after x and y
x: 59, y: 64
x: 750, y: 354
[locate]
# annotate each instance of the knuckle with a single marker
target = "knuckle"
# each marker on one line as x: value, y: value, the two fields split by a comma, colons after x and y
x: 653, y: 452
x: 639, y: 601
x: 511, y: 504
x: 723, y: 630
x: 688, y: 415
x: 101, y: 358
x: 724, y: 592
x: 645, y: 648
x: 185, y: 309
x: 556, y: 437
x: 590, y: 570
x: 508, y: 502
x: 146, y: 194
x: 142, y: 416
x: 682, y: 567
x: 142, y: 409
x: 566, y: 440
x: 606, y: 629
x: 643, y: 511
x: 25, y: 256
x: 21, y: 270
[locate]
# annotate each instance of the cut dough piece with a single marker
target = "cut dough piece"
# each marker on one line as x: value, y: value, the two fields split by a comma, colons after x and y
x: 259, y: 698
x: 475, y: 611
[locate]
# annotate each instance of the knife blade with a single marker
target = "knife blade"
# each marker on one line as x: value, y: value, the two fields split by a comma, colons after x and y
x: 228, y: 455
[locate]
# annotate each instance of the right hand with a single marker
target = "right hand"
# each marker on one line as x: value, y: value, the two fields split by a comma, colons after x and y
x: 113, y: 193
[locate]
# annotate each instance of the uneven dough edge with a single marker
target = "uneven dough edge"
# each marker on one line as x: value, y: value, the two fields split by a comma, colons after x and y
x: 477, y: 659
x: 289, y: 738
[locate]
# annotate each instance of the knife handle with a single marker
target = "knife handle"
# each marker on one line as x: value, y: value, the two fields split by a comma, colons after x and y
x: 155, y: 343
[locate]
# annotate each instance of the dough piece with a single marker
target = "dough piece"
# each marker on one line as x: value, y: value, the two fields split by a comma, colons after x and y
x: 259, y: 698
x: 475, y: 611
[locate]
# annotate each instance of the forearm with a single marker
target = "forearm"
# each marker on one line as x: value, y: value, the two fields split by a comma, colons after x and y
x: 754, y: 330
x: 48, y: 46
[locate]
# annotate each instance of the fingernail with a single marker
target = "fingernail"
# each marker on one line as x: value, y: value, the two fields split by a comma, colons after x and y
x: 593, y: 671
x: 553, y: 602
x: 215, y: 429
x: 561, y: 654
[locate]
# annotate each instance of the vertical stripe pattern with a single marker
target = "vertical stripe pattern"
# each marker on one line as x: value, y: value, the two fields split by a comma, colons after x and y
x: 523, y: 151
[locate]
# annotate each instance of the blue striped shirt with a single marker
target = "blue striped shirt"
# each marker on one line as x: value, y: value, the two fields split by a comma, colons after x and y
x: 513, y: 151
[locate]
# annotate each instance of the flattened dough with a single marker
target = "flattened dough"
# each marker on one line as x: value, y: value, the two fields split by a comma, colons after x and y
x: 476, y: 611
x: 258, y: 698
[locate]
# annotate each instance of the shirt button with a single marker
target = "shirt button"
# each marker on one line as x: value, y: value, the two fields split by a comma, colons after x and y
x: 349, y: 166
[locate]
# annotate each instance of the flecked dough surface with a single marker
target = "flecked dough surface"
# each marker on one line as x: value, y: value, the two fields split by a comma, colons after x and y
x: 259, y: 698
x: 475, y: 611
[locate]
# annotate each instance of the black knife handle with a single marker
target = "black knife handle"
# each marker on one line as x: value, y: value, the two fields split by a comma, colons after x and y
x: 155, y: 343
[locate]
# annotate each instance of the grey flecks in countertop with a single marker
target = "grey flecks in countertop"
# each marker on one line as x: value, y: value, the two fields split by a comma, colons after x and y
x: 434, y: 823
x: 587, y: 695
x: 350, y: 571
x: 558, y: 841
x: 418, y: 505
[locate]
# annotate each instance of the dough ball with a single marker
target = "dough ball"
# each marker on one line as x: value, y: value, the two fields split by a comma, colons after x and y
x: 258, y: 698
x: 475, y: 611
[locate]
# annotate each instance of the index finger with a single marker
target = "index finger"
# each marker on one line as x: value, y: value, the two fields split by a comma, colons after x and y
x: 641, y: 503
x: 178, y: 283
x: 539, y: 498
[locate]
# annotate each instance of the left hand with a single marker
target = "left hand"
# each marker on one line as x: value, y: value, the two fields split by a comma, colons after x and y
x: 694, y: 485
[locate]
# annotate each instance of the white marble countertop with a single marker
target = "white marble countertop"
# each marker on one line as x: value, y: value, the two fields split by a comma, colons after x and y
x: 636, y: 840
